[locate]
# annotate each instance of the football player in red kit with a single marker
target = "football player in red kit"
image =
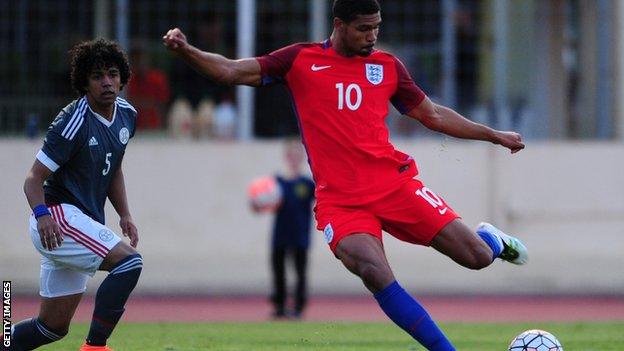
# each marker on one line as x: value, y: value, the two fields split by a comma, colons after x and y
x: 341, y: 88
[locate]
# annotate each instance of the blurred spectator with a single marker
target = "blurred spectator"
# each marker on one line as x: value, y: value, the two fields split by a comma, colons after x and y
x: 204, y: 119
x: 291, y: 232
x: 148, y: 90
x: 180, y: 118
x: 224, y: 123
x: 203, y: 96
x: 207, y: 121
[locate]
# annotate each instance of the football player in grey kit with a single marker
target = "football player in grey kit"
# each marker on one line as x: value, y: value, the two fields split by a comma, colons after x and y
x: 76, y: 170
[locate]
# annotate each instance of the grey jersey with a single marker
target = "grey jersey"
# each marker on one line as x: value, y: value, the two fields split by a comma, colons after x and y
x: 84, y: 150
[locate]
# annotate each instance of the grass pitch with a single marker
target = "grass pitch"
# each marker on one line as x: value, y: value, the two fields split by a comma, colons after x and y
x: 300, y: 336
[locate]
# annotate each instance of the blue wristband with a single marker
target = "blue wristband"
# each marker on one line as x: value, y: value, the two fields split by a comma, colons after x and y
x: 41, y: 210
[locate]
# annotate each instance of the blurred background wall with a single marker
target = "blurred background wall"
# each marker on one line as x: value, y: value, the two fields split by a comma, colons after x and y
x: 550, y: 69
x: 199, y: 236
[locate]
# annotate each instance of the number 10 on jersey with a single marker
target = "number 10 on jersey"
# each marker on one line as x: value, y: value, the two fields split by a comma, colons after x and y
x: 348, y: 96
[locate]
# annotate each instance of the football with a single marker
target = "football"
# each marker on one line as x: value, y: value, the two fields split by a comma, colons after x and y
x: 535, y: 340
x: 265, y: 194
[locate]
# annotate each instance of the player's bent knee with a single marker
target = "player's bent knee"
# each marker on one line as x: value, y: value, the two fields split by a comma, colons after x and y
x: 375, y: 276
x: 479, y: 259
x: 131, y: 263
x: 117, y: 255
x: 123, y: 249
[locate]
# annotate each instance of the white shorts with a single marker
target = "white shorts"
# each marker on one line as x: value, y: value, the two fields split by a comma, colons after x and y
x: 66, y: 269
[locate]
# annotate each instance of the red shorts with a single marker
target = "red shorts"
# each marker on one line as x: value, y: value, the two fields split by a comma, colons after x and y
x: 413, y: 213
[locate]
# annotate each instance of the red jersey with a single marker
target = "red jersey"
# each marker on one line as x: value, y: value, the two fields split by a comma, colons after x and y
x: 342, y: 103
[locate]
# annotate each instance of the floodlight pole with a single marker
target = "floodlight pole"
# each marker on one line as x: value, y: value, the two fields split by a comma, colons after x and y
x: 245, y: 47
x: 501, y: 98
x: 604, y: 125
x: 618, y: 22
x: 318, y: 20
x: 121, y: 30
x: 101, y: 23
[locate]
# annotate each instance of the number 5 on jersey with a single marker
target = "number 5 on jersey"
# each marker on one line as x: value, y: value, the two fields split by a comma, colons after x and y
x: 108, y: 163
x: 347, y: 96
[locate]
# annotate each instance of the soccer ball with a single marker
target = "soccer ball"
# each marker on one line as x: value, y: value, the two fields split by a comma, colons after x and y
x: 535, y: 340
x: 265, y: 194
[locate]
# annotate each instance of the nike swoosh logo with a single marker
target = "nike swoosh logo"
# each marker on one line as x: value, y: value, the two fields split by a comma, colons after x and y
x: 443, y: 211
x: 318, y: 68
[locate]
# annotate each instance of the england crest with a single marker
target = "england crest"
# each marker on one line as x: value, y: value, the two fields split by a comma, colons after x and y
x: 329, y: 233
x: 374, y: 73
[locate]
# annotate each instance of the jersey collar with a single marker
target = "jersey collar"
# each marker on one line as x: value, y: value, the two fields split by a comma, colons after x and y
x: 327, y: 45
x: 101, y: 118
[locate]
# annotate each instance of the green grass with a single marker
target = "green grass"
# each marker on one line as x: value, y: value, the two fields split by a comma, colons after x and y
x: 286, y: 336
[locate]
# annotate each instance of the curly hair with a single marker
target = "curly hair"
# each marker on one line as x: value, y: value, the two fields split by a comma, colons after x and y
x: 94, y: 54
x: 348, y: 10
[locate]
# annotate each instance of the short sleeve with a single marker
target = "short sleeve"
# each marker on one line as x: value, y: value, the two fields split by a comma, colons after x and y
x: 275, y: 66
x: 408, y: 95
x: 133, y: 119
x: 62, y: 140
x: 129, y: 113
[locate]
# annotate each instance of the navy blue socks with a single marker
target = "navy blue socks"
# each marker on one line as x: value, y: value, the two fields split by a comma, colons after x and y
x: 29, y: 334
x: 408, y: 314
x: 111, y: 298
x: 493, y: 241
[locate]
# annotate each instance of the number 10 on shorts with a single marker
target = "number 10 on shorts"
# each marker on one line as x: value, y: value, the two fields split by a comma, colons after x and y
x: 434, y: 200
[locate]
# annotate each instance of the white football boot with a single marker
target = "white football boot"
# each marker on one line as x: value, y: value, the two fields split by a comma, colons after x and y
x: 514, y: 250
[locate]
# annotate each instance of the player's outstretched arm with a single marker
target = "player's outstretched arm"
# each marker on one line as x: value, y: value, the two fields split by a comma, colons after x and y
x: 119, y: 200
x: 49, y: 231
x: 444, y: 120
x: 214, y: 66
